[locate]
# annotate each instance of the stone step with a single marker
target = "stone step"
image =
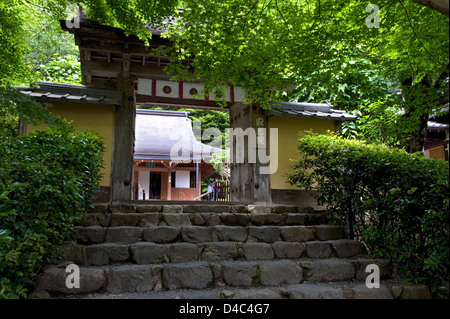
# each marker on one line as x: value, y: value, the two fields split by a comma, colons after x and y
x: 150, y: 253
x: 201, y: 219
x: 129, y: 278
x: 197, y: 234
x: 201, y: 208
x: 389, y: 289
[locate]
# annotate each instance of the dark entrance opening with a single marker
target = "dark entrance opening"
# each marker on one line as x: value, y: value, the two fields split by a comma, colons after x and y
x: 155, y: 185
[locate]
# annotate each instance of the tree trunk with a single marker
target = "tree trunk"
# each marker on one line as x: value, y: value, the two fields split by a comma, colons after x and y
x: 417, y: 140
x: 421, y: 100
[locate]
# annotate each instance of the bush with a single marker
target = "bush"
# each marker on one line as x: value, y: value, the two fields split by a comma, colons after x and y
x: 396, y: 202
x: 47, y: 179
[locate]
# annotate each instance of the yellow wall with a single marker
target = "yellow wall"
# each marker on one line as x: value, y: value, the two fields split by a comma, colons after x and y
x: 288, y: 128
x: 99, y: 118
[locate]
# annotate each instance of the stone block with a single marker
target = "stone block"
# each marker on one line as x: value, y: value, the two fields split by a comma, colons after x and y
x: 197, y: 219
x: 361, y: 264
x: 211, y: 219
x: 148, y: 208
x: 283, y: 209
x: 258, y: 251
x: 268, y: 234
x: 416, y: 291
x: 238, y: 209
x: 147, y: 253
x: 161, y: 234
x: 132, y: 278
x: 313, y: 291
x: 218, y: 251
x: 295, y: 219
x: 259, y: 209
x: 149, y: 219
x: 318, y: 249
x: 53, y: 279
x: 328, y: 270
x: 89, y: 235
x: 230, y: 233
x: 196, y: 275
x: 176, y: 219
x: 290, y: 250
x: 124, y: 234
x: 362, y: 292
x: 268, y: 219
x: 95, y: 219
x: 119, y: 219
x: 345, y: 248
x: 296, y: 233
x: 103, y: 254
x: 172, y: 209
x: 183, y: 252
x: 196, y: 234
x: 280, y: 272
x: 74, y: 253
x: 239, y: 274
x: 122, y: 208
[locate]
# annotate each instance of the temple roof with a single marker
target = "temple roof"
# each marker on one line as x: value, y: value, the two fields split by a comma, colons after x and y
x: 311, y: 110
x: 164, y: 135
x: 50, y: 92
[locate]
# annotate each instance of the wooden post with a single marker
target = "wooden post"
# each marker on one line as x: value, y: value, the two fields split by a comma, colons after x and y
x: 197, y: 184
x: 247, y: 184
x: 169, y: 184
x: 241, y: 185
x: 262, y: 193
x: 124, y: 132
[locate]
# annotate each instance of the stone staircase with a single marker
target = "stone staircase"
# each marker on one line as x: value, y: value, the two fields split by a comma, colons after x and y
x: 216, y: 251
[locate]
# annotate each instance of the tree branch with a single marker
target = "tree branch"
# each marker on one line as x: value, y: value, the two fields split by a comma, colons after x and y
x: 415, y: 33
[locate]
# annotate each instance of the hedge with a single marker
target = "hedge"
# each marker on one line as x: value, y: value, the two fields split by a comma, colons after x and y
x: 47, y: 179
x: 396, y: 202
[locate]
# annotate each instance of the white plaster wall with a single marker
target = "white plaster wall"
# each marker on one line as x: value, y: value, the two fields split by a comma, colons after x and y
x: 144, y: 184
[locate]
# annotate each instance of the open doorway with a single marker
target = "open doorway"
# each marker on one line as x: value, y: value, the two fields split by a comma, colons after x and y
x: 170, y: 162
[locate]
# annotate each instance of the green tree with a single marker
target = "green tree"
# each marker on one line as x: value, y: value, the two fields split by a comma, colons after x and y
x: 267, y: 45
x: 61, y: 70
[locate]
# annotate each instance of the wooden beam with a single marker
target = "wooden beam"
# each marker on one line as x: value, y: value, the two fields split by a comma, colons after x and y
x: 163, y: 169
x: 105, y: 69
x: 118, y: 46
x: 151, y: 169
x: 181, y: 103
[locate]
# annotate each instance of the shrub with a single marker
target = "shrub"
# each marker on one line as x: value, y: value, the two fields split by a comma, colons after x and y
x: 47, y: 179
x: 396, y: 202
